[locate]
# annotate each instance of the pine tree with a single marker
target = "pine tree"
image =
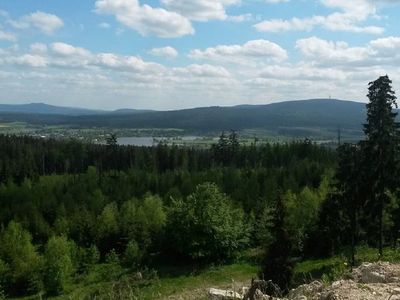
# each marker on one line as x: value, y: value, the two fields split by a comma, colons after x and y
x: 381, y: 132
x: 277, y: 266
x: 349, y: 187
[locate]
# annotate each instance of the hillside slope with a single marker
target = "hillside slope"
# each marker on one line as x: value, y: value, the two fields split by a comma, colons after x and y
x: 295, y: 115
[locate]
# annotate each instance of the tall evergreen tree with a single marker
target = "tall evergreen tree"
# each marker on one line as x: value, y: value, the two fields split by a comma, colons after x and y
x: 381, y: 132
x: 349, y: 187
x: 277, y: 265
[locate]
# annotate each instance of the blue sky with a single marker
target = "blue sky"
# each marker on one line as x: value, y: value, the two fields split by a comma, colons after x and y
x: 169, y: 54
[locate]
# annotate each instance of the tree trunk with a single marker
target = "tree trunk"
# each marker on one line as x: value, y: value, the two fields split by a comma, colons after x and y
x: 381, y: 226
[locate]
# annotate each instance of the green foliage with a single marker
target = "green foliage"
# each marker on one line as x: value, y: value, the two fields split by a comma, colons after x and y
x: 132, y: 254
x: 128, y: 219
x: 21, y: 263
x: 126, y: 203
x: 112, y: 269
x: 92, y: 255
x: 142, y: 222
x: 277, y: 265
x: 108, y: 227
x: 112, y: 257
x: 302, y: 214
x: 206, y: 226
x: 382, y: 145
x: 328, y: 270
x: 264, y: 227
x: 4, y: 270
x: 59, y: 266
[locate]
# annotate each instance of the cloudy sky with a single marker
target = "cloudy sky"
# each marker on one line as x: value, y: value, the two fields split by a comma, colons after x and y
x: 168, y: 54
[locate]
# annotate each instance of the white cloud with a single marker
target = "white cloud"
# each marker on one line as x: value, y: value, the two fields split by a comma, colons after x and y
x: 240, y: 18
x: 352, y: 14
x: 383, y: 51
x: 302, y: 72
x: 126, y: 63
x: 200, y: 10
x: 389, y: 46
x: 30, y: 60
x: 38, y: 48
x: 7, y: 36
x: 169, y: 52
x: 324, y: 67
x: 69, y: 50
x: 203, y: 71
x: 145, y: 19
x: 256, y: 49
x: 47, y: 23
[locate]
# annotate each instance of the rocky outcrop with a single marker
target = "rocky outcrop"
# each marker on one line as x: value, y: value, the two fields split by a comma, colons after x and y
x: 217, y: 294
x: 370, y: 281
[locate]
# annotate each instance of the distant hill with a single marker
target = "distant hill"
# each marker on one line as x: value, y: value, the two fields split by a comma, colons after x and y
x: 130, y: 111
x: 293, y: 118
x: 41, y: 108
x: 305, y: 113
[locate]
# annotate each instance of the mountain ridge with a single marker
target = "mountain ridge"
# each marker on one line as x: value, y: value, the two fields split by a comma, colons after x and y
x: 48, y: 109
x: 292, y: 118
x: 44, y: 108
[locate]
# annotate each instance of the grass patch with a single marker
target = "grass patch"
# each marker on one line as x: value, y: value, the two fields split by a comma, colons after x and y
x: 188, y: 286
x: 112, y: 282
x: 331, y: 269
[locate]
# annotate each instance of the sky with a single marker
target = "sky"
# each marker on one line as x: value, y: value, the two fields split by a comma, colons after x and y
x: 173, y: 54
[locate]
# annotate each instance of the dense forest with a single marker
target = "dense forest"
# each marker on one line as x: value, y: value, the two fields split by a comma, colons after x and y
x: 66, y: 206
x: 139, y: 203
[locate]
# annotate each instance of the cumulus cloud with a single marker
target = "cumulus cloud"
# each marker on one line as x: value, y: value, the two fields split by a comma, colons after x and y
x: 260, y: 73
x: 255, y: 49
x: 126, y: 63
x: 351, y: 15
x: 30, y: 60
x: 7, y: 36
x: 47, y: 23
x: 168, y: 52
x: 383, y: 51
x: 302, y: 72
x: 38, y: 48
x: 64, y: 49
x: 203, y: 71
x: 240, y: 18
x: 146, y: 20
x: 200, y: 10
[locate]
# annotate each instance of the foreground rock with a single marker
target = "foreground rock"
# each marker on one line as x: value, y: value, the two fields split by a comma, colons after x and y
x: 217, y: 294
x: 370, y: 281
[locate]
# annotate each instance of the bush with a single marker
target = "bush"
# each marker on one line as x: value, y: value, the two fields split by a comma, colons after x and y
x: 206, y: 226
x: 132, y: 254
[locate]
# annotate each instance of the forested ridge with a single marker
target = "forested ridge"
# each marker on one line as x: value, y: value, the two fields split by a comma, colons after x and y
x: 69, y: 207
x: 314, y: 114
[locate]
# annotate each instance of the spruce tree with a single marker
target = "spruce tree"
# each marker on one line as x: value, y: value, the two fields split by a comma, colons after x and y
x: 278, y: 266
x: 349, y: 188
x: 381, y: 132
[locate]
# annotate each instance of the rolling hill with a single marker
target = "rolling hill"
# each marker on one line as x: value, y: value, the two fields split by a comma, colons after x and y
x: 287, y: 118
x: 42, y: 108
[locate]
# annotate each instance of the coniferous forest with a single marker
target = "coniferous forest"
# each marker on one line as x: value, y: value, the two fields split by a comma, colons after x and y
x: 67, y: 206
